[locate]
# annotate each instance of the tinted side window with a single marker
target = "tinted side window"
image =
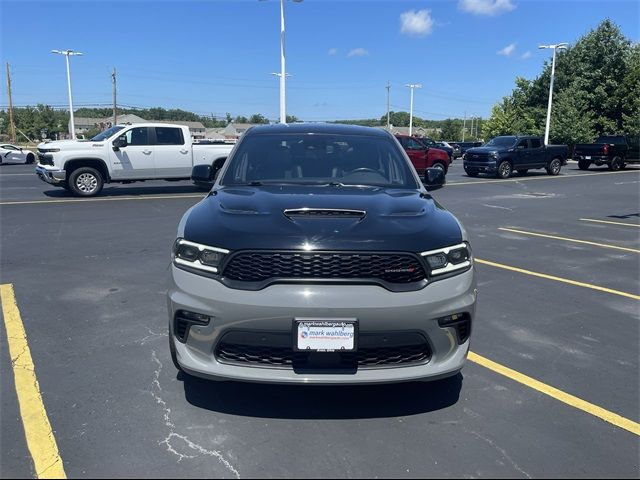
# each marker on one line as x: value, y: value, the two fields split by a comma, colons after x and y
x: 536, y: 143
x: 523, y: 144
x: 138, y: 136
x: 169, y: 136
x: 413, y: 145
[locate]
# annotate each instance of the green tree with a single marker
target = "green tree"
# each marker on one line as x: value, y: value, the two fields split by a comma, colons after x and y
x: 258, y: 118
x: 596, y: 91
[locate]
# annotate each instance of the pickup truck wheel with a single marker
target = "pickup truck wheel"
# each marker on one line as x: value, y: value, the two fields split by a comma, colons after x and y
x: 616, y: 164
x: 523, y: 171
x: 554, y: 166
x: 584, y: 164
x: 86, y: 182
x: 440, y: 166
x: 504, y: 169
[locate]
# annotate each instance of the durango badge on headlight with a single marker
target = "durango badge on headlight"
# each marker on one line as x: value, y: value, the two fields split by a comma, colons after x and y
x: 195, y: 256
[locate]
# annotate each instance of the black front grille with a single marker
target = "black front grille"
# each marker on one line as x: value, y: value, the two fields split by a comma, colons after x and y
x: 274, y: 350
x: 396, y: 268
x: 45, y: 159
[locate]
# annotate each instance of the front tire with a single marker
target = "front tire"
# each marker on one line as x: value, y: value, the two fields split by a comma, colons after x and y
x: 584, y: 164
x: 470, y: 173
x: 86, y: 182
x: 504, y: 170
x: 554, y: 167
x: 31, y: 158
x: 440, y: 166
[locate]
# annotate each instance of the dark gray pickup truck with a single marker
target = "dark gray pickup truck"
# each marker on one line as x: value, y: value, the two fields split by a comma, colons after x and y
x: 502, y: 155
x: 615, y: 151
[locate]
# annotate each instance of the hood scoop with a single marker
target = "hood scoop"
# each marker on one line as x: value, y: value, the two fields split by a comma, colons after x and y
x: 324, y: 213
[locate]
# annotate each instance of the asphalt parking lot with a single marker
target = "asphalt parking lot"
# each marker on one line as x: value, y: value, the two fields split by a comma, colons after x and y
x: 551, y: 389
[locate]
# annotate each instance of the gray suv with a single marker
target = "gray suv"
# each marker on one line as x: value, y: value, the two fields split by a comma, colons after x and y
x: 319, y: 257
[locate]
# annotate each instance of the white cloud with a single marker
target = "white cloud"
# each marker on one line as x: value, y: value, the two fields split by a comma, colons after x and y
x: 333, y: 51
x: 358, y: 52
x: 417, y: 23
x: 508, y: 50
x: 526, y: 55
x: 486, y: 7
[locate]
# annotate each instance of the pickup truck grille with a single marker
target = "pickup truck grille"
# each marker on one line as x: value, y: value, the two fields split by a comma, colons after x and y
x: 44, y: 158
x: 262, y: 266
x: 478, y: 157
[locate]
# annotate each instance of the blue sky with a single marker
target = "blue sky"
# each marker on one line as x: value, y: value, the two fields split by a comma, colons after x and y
x: 213, y: 57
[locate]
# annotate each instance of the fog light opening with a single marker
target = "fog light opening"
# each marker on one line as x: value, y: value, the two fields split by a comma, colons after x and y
x: 184, y: 320
x: 460, y: 322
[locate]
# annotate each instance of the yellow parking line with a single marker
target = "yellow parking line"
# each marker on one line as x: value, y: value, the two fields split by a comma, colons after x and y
x: 575, y: 402
x: 573, y: 240
x: 610, y: 223
x: 559, y: 279
x: 40, y: 439
x: 546, y: 177
x: 111, y: 199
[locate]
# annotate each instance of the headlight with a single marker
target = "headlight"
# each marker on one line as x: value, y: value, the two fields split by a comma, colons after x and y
x: 49, y: 150
x: 197, y: 256
x: 449, y: 259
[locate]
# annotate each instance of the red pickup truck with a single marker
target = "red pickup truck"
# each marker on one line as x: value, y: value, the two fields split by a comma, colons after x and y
x: 422, y: 156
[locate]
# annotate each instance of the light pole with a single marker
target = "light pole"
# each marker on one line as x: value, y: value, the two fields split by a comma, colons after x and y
x: 283, y: 73
x: 412, y: 86
x: 559, y: 46
x: 67, y: 54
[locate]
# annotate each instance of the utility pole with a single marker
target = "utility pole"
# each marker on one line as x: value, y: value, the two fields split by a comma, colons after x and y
x: 471, y: 129
x: 67, y: 54
x: 560, y: 46
x: 12, y: 126
x: 412, y: 86
x: 388, y: 104
x: 464, y: 125
x: 115, y: 104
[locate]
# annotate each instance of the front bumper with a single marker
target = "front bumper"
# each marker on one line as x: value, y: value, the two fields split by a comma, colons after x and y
x: 274, y: 309
x: 480, y: 166
x: 50, y: 174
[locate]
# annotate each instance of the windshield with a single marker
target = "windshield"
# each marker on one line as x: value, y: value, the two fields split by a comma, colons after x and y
x: 107, y: 133
x: 501, y: 142
x: 319, y: 159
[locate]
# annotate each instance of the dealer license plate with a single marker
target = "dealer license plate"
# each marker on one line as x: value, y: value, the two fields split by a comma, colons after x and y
x: 322, y: 335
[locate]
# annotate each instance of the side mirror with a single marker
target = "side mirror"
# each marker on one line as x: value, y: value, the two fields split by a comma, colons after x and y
x: 202, y: 174
x: 217, y: 166
x: 119, y: 143
x: 434, y: 179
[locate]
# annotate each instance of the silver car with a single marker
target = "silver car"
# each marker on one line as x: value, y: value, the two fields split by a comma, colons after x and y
x: 320, y: 258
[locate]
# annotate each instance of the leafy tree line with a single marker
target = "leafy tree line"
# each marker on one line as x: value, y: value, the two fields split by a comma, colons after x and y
x: 596, y: 91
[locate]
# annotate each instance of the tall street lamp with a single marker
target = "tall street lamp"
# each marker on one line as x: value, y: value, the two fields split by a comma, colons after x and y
x: 559, y: 46
x: 67, y: 54
x: 283, y: 73
x: 412, y: 86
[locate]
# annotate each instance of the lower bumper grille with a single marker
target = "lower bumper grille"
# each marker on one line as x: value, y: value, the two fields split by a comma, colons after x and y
x: 274, y: 350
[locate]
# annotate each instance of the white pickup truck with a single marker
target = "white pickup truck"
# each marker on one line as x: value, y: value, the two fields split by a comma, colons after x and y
x: 125, y: 154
